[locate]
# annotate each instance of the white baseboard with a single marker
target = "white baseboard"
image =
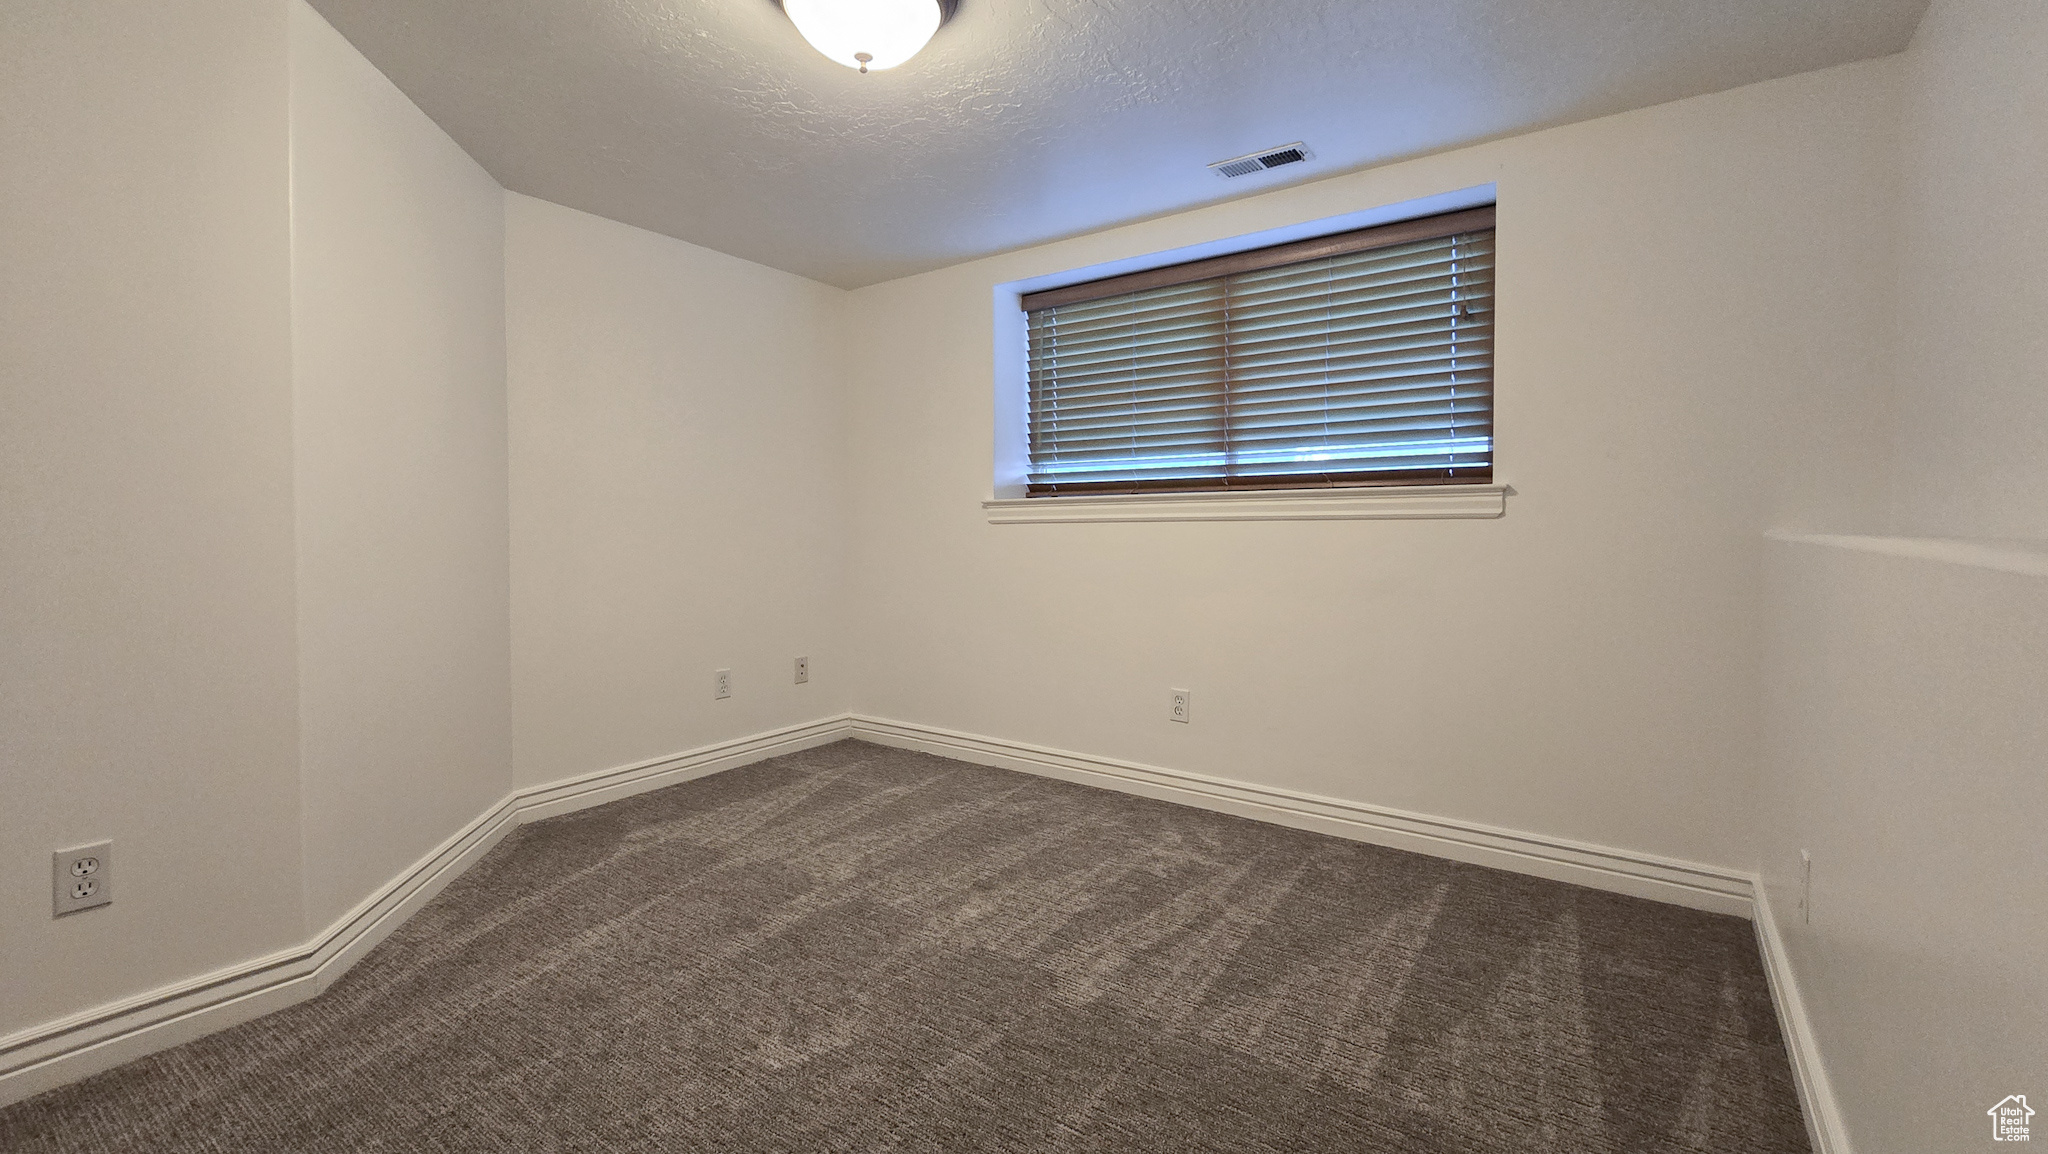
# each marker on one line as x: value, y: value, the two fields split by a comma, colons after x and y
x: 574, y: 793
x: 1640, y: 875
x: 54, y: 1053
x: 49, y: 1055
x: 1824, y: 1124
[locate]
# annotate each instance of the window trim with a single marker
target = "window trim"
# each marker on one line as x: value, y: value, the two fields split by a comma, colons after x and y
x: 1006, y: 479
x: 1380, y: 503
x: 1473, y: 215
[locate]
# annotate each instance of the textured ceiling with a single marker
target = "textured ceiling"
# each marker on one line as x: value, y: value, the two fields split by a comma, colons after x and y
x: 1027, y: 120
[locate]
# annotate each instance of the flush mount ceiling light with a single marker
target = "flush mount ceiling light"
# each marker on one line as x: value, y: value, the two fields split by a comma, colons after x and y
x: 868, y: 34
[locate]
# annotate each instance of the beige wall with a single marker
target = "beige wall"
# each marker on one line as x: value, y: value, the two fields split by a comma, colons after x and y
x: 147, y: 683
x: 1906, y: 676
x: 1972, y: 447
x: 1906, y: 755
x: 398, y: 353
x: 678, y: 493
x: 1684, y: 292
x: 256, y: 617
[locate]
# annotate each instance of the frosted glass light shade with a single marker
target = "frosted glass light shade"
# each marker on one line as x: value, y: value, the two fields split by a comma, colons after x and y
x: 888, y: 31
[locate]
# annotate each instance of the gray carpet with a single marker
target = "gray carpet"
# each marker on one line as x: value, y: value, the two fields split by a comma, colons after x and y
x: 857, y: 948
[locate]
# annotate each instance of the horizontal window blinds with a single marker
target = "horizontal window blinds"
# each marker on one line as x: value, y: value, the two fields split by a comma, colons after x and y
x: 1372, y: 364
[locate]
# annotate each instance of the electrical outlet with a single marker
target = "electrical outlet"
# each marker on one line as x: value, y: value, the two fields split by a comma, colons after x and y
x: 1805, y: 888
x: 803, y: 670
x: 721, y: 684
x: 1181, y: 701
x: 81, y: 878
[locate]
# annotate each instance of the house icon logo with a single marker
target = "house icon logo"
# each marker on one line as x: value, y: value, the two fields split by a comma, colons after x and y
x: 2009, y: 1119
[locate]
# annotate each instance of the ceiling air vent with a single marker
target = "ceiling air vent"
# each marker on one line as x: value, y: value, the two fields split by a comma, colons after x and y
x: 1263, y: 159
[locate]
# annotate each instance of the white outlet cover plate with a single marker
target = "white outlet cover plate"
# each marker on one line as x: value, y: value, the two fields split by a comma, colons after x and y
x: 81, y: 878
x: 1182, y: 707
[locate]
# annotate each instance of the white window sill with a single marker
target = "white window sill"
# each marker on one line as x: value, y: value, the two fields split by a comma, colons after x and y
x: 1383, y: 503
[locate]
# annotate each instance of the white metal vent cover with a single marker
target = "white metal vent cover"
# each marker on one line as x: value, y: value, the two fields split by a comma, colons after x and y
x: 1263, y: 159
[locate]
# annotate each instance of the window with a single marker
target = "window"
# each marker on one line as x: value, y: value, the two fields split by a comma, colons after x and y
x: 1364, y: 358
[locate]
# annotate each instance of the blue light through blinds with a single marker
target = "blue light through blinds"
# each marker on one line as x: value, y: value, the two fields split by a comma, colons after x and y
x: 1368, y: 367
